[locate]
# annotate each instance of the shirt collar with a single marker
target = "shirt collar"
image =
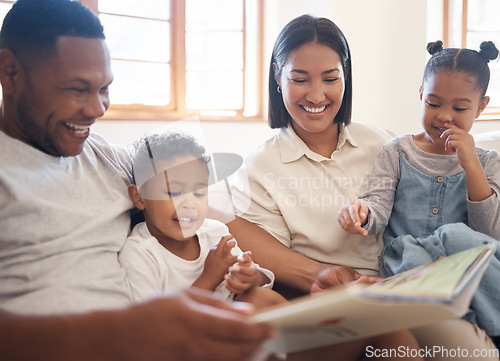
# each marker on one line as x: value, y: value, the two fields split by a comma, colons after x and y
x: 292, y: 147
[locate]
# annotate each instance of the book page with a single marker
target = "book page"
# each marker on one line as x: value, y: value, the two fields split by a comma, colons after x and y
x: 351, y: 312
x: 436, y: 281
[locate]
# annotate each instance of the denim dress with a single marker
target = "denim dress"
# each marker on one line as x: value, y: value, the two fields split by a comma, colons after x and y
x: 429, y: 220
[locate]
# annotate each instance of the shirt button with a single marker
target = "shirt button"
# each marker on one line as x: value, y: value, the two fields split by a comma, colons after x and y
x: 440, y: 179
x: 435, y: 210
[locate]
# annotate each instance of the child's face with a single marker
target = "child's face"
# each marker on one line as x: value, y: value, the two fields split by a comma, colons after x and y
x: 175, y: 202
x: 450, y: 97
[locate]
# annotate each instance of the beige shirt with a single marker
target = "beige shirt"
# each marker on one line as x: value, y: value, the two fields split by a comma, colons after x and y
x: 296, y: 194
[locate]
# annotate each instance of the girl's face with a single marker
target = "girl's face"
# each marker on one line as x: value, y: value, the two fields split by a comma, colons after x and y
x: 449, y: 97
x: 180, y: 210
x: 312, y: 85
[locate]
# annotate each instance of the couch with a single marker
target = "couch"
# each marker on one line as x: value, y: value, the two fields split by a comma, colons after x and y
x: 488, y: 140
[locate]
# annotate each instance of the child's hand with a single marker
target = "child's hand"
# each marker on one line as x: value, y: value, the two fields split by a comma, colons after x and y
x: 217, y: 263
x: 352, y: 217
x: 242, y: 275
x: 462, y: 143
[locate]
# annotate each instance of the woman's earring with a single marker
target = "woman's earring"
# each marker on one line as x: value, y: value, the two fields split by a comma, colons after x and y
x: 278, y: 89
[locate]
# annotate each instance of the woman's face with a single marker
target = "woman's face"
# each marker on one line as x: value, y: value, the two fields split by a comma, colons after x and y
x: 312, y: 85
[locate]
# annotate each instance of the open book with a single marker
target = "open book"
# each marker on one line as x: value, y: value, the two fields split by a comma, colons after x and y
x: 418, y: 297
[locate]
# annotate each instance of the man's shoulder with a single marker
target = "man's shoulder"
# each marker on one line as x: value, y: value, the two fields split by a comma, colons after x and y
x: 112, y: 154
x: 98, y: 143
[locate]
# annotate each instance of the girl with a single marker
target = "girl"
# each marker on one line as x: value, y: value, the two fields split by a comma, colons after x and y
x: 436, y: 192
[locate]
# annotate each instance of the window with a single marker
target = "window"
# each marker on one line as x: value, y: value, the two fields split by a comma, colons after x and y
x: 5, y: 6
x: 467, y: 24
x: 176, y: 58
x: 182, y: 57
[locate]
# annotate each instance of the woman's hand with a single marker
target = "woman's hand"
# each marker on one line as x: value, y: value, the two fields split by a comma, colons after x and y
x: 353, y: 216
x: 332, y: 276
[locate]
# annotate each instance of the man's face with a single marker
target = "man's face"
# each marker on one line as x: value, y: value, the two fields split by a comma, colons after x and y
x: 64, y: 95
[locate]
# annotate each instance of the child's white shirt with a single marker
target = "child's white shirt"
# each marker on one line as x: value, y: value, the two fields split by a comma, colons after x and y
x: 152, y: 269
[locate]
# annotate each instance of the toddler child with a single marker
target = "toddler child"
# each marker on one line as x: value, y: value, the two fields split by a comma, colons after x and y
x: 435, y: 192
x: 177, y: 246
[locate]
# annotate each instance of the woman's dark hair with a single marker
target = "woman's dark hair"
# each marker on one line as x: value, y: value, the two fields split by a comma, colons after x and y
x: 472, y: 62
x: 300, y: 31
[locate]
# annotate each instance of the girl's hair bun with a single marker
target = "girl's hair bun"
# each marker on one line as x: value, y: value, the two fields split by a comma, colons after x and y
x: 488, y: 51
x: 435, y: 47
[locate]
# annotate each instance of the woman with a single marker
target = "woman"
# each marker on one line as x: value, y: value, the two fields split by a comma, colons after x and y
x: 295, y: 183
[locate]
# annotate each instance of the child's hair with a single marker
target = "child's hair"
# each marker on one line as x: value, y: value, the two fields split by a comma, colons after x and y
x: 472, y: 62
x: 152, y: 149
x: 302, y: 30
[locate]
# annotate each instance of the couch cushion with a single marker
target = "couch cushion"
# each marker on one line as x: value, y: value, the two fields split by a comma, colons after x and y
x: 488, y: 140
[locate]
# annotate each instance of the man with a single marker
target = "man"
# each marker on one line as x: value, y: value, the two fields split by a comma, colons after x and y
x: 64, y: 212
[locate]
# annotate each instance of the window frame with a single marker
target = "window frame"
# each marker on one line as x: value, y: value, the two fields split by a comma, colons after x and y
x: 177, y: 108
x: 491, y: 112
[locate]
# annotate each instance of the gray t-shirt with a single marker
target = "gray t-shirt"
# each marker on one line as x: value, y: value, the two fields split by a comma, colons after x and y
x: 483, y: 216
x: 63, y: 221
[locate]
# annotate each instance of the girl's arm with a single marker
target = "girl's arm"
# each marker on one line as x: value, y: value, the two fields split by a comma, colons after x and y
x: 483, y: 181
x: 381, y: 188
x: 478, y: 187
x: 484, y: 216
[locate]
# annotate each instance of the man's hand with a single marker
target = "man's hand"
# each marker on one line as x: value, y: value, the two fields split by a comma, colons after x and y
x: 187, y: 325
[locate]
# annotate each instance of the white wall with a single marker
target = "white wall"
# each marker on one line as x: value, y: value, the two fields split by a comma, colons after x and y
x: 387, y: 40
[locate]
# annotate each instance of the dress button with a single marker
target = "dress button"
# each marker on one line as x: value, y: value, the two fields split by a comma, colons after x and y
x: 440, y: 179
x: 435, y: 210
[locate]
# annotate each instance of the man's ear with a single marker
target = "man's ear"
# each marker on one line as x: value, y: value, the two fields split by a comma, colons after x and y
x: 11, y: 72
x: 137, y: 200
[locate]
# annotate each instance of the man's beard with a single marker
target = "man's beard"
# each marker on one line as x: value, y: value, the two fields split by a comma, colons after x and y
x: 36, y: 135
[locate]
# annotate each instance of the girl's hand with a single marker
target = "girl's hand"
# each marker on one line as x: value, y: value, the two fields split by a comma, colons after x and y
x: 217, y: 263
x: 243, y: 275
x: 353, y: 216
x: 462, y: 143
